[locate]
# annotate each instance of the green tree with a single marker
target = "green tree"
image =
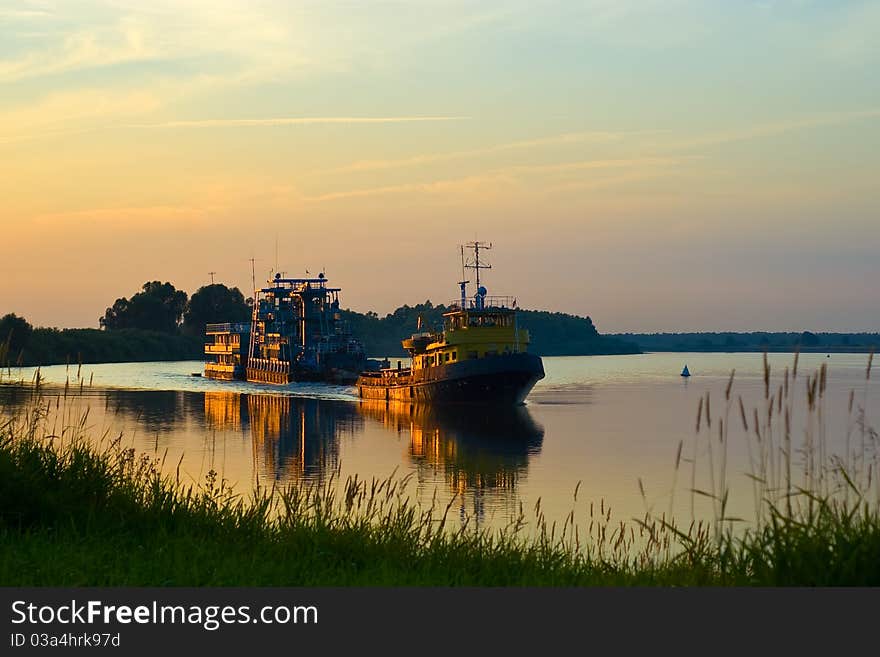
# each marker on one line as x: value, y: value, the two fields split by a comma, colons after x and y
x: 158, y: 307
x: 808, y: 339
x: 15, y: 332
x: 214, y: 303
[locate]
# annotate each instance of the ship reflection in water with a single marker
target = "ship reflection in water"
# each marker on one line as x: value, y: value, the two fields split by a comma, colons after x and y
x: 480, y: 453
x: 293, y: 438
x: 473, y: 454
x: 477, y: 457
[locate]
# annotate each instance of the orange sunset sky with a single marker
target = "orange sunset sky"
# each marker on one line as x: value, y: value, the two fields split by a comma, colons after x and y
x: 657, y: 165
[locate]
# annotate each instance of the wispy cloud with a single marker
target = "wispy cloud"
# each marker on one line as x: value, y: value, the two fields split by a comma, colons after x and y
x: 121, y: 216
x: 561, y: 167
x: 777, y: 128
x: 432, y: 158
x: 446, y: 186
x: 294, y: 120
x: 23, y: 14
x: 98, y: 47
x: 72, y: 112
x: 517, y: 175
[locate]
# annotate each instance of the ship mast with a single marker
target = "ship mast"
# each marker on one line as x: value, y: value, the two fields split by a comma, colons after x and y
x: 476, y: 265
x: 463, y: 283
x: 253, y: 333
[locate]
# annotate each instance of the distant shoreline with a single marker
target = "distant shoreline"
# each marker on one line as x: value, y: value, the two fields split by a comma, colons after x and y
x: 552, y: 334
x: 758, y: 341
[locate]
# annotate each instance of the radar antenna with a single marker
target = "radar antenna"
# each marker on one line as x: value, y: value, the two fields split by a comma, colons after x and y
x: 475, y: 264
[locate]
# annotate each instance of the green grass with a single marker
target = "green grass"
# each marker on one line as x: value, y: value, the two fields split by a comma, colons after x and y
x: 83, y: 510
x: 72, y: 515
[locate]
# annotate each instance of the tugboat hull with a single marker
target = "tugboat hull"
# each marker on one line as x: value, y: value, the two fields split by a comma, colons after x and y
x: 504, y: 379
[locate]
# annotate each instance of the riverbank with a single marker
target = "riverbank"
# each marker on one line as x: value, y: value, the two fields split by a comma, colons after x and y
x: 50, y: 346
x: 553, y: 334
x: 74, y: 514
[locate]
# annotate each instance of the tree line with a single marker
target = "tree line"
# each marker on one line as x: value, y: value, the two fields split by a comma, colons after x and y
x: 160, y: 322
x: 552, y: 334
x: 163, y: 308
x: 757, y: 341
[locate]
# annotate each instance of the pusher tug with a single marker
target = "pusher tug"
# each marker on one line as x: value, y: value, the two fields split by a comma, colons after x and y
x: 479, y: 357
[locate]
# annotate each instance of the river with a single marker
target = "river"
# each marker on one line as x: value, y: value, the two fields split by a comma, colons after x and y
x: 598, y: 424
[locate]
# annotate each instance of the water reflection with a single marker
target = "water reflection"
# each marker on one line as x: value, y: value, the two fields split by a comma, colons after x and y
x: 480, y: 453
x: 157, y: 411
x: 476, y: 456
x: 609, y: 420
x: 298, y: 438
x: 292, y: 438
x: 563, y: 394
x: 225, y: 411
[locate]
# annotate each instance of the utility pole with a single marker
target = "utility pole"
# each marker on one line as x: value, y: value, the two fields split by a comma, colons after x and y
x: 212, y: 276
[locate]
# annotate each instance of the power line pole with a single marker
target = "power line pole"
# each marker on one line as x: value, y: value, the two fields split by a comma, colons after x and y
x: 212, y: 276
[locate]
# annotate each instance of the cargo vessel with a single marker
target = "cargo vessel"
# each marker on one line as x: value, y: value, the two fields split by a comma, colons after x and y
x: 479, y: 356
x: 296, y: 333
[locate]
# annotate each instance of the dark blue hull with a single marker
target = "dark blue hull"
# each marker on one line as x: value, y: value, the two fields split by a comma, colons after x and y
x: 504, y: 379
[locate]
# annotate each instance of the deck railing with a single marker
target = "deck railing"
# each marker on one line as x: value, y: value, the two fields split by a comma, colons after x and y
x: 383, y: 376
x: 488, y: 303
x: 228, y: 327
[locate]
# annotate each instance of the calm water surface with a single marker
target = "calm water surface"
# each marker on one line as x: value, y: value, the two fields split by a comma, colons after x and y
x: 603, y: 421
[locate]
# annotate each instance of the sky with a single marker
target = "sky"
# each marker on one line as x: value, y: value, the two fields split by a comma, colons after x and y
x: 658, y: 165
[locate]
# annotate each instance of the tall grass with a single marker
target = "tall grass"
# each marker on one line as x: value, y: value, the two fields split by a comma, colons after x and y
x: 789, y: 474
x: 816, y: 512
x: 76, y: 509
x: 80, y: 509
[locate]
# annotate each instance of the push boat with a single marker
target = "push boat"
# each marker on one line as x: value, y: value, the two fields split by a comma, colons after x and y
x: 478, y: 357
x: 296, y: 333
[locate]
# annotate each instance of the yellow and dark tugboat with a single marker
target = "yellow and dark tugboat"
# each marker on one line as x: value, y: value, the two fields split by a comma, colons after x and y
x: 478, y: 357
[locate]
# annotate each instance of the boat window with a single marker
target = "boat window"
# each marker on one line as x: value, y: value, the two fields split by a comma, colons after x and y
x: 454, y: 355
x: 446, y: 356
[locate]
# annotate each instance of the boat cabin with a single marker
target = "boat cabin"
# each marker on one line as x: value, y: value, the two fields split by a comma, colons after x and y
x: 484, y: 328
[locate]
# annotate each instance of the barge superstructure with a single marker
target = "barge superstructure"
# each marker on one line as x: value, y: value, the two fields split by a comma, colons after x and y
x: 229, y: 350
x: 296, y: 333
x: 479, y: 356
